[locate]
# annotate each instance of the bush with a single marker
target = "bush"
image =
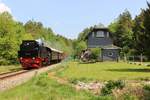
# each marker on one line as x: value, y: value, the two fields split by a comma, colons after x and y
x: 95, y: 53
x: 106, y: 91
x: 145, y: 79
x: 146, y: 92
x: 73, y: 80
x: 4, y: 62
x: 147, y: 87
x: 120, y: 84
x: 112, y: 85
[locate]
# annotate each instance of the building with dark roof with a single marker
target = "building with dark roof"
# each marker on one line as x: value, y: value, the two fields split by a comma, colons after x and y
x: 101, y: 38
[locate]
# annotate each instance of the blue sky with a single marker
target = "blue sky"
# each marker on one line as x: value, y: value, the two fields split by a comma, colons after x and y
x: 69, y: 17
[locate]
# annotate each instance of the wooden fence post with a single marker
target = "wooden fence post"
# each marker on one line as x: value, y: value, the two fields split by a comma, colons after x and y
x: 141, y: 58
x: 125, y: 58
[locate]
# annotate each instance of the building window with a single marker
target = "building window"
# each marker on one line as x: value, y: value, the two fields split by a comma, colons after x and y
x: 100, y: 34
x: 107, y: 34
x: 93, y: 34
x: 110, y: 54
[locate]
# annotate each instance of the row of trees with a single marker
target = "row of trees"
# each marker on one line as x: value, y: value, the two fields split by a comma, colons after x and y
x: 132, y: 35
x: 37, y: 30
x: 13, y: 32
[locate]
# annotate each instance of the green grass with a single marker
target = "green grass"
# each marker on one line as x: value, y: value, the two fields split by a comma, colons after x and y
x: 44, y: 88
x: 8, y: 68
x: 105, y: 71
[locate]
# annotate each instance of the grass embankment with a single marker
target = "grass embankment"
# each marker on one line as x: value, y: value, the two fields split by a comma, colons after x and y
x: 105, y: 71
x: 44, y: 88
x: 9, y: 68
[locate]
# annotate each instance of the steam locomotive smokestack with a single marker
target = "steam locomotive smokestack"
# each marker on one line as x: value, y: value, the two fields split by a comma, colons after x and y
x: 40, y: 41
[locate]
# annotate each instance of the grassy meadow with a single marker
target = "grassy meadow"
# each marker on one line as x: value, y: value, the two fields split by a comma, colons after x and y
x: 44, y: 88
x: 104, y: 71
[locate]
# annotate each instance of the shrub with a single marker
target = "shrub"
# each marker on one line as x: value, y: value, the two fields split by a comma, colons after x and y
x: 106, y: 91
x: 146, y: 92
x: 4, y: 62
x: 95, y: 53
x: 112, y: 85
x: 147, y: 87
x: 145, y: 79
x: 120, y: 84
x: 73, y: 80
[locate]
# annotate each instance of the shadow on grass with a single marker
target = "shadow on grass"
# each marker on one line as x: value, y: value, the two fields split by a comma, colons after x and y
x: 87, y: 62
x: 129, y: 70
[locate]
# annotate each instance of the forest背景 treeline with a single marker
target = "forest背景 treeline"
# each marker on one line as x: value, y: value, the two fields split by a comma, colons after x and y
x: 13, y: 32
x: 132, y: 35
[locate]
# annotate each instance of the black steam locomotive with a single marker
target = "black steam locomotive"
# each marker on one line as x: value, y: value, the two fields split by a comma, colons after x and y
x: 34, y: 54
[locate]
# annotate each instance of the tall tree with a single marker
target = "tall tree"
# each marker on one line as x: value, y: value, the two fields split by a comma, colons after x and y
x: 139, y: 34
x: 11, y: 34
x: 122, y: 31
x: 78, y: 46
x: 147, y: 30
x: 83, y: 34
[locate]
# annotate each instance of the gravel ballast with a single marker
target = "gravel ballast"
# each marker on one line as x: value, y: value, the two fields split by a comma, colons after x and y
x: 13, y: 81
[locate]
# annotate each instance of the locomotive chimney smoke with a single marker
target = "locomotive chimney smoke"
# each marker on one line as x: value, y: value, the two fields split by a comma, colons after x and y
x: 40, y: 41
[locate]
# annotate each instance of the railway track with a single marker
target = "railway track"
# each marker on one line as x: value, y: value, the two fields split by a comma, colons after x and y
x: 12, y: 79
x: 11, y: 74
x: 16, y: 72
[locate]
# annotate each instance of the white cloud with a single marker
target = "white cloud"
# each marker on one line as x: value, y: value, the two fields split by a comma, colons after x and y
x: 4, y: 8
